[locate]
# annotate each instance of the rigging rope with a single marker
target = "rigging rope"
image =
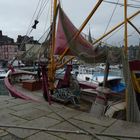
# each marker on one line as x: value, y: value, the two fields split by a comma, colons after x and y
x: 114, y: 33
x: 111, y: 16
x: 136, y: 1
x: 47, y: 18
x: 34, y: 53
x: 121, y: 4
x: 33, y: 17
x: 40, y: 8
x: 117, y: 31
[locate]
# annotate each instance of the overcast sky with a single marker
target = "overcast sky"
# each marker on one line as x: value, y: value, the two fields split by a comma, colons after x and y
x: 16, y: 15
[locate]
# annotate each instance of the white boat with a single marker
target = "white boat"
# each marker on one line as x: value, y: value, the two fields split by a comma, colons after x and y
x: 91, y: 78
x: 2, y: 73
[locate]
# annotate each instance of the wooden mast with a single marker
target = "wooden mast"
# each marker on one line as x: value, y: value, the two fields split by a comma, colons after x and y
x: 51, y: 67
x: 48, y: 74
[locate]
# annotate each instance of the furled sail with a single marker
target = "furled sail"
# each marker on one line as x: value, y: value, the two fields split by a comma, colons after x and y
x: 79, y: 47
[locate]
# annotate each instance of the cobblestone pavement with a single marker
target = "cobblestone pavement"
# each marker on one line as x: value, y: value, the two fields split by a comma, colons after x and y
x: 27, y: 120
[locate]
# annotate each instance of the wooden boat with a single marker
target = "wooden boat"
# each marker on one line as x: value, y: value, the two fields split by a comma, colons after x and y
x: 14, y: 84
x: 67, y: 41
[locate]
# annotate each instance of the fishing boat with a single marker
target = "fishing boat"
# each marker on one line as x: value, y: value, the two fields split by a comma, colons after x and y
x: 67, y: 43
x: 94, y: 76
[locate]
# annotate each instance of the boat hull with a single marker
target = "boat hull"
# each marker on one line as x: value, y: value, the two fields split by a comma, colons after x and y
x: 13, y: 91
x: 2, y: 77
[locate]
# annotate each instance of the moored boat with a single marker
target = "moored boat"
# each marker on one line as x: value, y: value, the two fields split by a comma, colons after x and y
x: 67, y: 43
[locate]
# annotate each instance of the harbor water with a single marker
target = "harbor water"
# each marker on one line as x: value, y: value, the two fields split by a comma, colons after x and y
x: 3, y: 90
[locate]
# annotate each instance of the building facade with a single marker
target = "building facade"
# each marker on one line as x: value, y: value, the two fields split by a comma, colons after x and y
x: 8, y: 51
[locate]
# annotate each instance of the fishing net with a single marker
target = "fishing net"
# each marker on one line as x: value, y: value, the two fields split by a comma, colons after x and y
x: 132, y: 113
x: 30, y: 54
x: 80, y: 47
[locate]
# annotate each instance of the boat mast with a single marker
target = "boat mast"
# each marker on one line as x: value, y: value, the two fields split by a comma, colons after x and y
x: 53, y: 32
x: 51, y: 67
x: 126, y: 49
x: 125, y: 29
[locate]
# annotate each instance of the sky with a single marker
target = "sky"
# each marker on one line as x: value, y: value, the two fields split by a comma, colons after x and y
x: 16, y: 16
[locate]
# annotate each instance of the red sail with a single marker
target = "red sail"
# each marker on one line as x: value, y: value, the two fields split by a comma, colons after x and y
x: 61, y: 40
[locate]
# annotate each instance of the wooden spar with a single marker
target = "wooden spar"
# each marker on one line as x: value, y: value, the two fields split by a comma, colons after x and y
x: 53, y: 32
x: 116, y: 27
x: 134, y: 27
x: 82, y: 26
x: 125, y: 50
x: 62, y: 65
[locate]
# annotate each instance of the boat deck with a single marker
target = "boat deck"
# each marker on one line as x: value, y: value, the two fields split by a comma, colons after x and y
x: 28, y: 120
x: 37, y: 95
